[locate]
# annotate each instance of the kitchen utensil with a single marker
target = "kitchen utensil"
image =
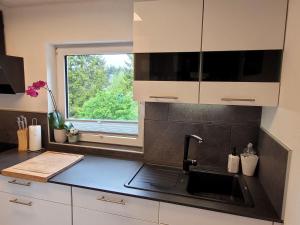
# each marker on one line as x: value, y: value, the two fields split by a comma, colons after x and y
x: 24, y: 120
x: 22, y: 133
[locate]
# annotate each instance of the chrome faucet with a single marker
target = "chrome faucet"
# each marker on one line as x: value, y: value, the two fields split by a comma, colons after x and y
x: 189, y: 162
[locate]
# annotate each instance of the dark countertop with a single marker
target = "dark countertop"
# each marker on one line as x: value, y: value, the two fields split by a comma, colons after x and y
x: 12, y: 157
x: 110, y: 174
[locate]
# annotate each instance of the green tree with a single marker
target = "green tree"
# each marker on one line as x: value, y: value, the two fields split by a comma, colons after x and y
x: 86, y: 76
x: 108, y: 98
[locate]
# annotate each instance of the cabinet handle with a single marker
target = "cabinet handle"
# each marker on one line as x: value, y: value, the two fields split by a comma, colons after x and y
x: 238, y: 99
x: 16, y: 201
x: 163, y: 224
x: 20, y: 183
x: 164, y: 97
x: 103, y: 199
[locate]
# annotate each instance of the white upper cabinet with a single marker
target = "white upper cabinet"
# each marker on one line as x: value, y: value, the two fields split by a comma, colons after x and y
x: 239, y: 93
x: 243, y: 24
x: 167, y: 25
x: 166, y: 91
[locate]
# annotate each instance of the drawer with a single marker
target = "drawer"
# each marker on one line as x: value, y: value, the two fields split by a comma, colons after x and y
x: 19, y: 210
x: 43, y: 191
x: 166, y: 91
x: 90, y: 217
x: 116, y: 204
x: 178, y: 215
x: 239, y: 93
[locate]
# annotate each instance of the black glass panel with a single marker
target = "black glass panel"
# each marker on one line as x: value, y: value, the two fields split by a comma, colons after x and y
x: 182, y: 66
x: 245, y: 66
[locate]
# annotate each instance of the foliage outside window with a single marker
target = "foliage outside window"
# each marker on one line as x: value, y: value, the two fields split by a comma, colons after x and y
x: 100, y: 87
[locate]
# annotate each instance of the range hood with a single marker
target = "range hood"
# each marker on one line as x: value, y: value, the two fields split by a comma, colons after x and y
x: 11, y: 68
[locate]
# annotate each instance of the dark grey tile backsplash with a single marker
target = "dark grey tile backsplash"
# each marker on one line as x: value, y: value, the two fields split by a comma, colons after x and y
x: 221, y: 127
x: 8, y: 125
x: 273, y: 161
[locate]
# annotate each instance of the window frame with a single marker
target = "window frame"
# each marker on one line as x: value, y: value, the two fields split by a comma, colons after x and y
x: 61, y: 89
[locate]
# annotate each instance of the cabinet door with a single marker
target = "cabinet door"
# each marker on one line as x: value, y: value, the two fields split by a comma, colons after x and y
x: 44, y: 191
x: 171, y: 214
x: 19, y: 210
x: 243, y: 24
x: 242, y: 66
x: 167, y: 26
x: 180, y: 66
x: 239, y: 93
x: 166, y: 91
x: 83, y: 216
x: 116, y: 204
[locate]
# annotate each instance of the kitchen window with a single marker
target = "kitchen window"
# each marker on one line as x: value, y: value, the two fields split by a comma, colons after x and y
x: 95, y: 93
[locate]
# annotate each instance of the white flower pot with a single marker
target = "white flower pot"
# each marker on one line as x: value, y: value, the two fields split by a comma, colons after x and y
x: 72, y: 138
x: 60, y: 135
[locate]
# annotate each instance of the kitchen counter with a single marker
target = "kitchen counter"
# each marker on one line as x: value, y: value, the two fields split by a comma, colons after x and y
x: 12, y: 157
x: 110, y: 175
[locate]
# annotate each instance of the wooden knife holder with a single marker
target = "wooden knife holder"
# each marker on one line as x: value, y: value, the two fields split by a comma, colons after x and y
x: 22, y: 139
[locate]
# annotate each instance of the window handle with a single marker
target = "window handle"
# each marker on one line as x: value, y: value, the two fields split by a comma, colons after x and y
x: 238, y: 99
x: 164, y: 97
x: 20, y: 183
x: 16, y: 201
x: 103, y: 199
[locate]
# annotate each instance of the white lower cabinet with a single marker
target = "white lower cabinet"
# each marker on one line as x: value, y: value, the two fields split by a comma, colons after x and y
x: 91, y: 217
x: 19, y: 210
x: 98, y: 208
x: 44, y: 191
x: 170, y: 214
x: 125, y: 206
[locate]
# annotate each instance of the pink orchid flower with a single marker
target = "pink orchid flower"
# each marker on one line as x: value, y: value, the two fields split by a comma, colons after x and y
x: 39, y: 84
x: 36, y: 86
x: 31, y: 91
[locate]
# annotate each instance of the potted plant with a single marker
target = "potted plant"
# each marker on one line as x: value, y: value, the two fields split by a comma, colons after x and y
x: 73, y: 134
x: 56, y: 121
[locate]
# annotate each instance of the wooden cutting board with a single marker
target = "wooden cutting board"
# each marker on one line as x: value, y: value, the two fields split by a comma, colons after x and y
x: 42, y: 167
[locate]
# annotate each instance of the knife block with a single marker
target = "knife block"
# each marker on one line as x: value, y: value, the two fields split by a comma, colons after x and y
x: 22, y: 139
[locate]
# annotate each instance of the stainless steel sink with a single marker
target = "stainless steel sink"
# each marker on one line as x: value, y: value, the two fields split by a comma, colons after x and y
x: 207, y: 185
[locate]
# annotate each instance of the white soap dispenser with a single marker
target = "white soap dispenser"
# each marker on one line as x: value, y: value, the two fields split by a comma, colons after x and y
x: 233, y: 162
x: 249, y: 160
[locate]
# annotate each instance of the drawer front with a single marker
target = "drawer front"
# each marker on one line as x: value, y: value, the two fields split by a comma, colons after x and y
x: 90, y: 217
x: 166, y: 91
x: 43, y: 191
x: 18, y: 210
x: 171, y: 214
x: 116, y: 204
x: 239, y: 93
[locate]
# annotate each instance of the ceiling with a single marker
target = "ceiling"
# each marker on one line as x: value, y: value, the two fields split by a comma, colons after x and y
x: 19, y: 3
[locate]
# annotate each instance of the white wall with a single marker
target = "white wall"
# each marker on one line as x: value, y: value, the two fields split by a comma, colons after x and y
x: 30, y: 30
x: 284, y: 123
